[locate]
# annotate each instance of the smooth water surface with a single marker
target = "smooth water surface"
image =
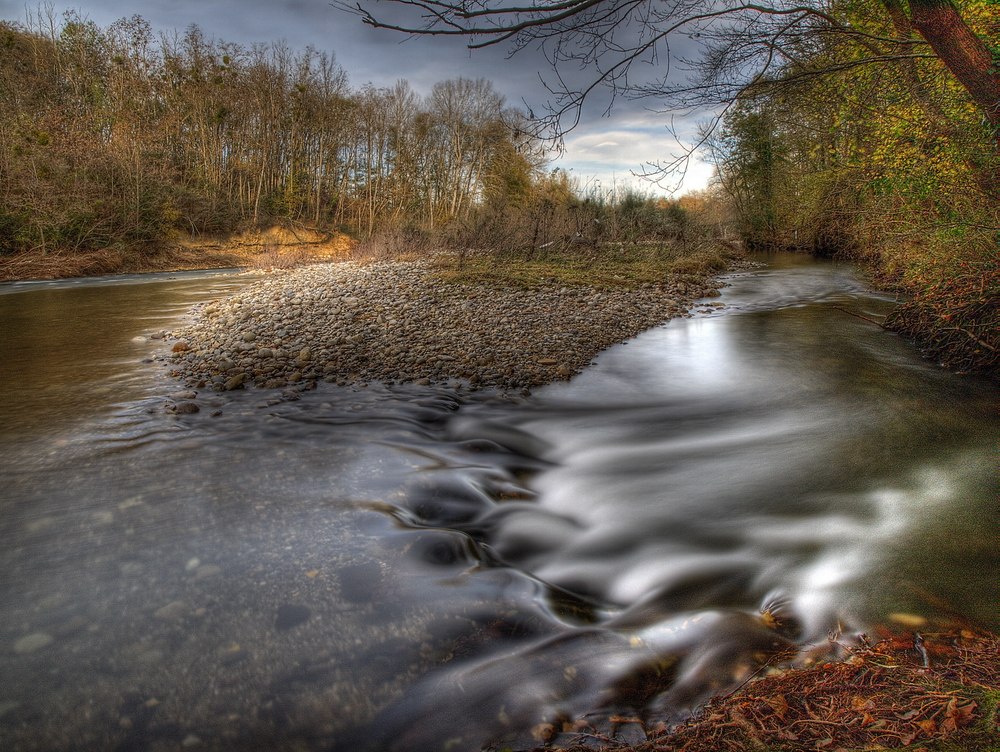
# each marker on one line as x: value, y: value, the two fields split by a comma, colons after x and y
x: 419, y: 569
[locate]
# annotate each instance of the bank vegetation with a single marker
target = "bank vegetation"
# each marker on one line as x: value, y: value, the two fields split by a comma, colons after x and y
x: 866, y: 146
x: 121, y: 150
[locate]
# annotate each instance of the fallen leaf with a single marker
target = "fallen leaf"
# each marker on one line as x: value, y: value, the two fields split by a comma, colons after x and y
x: 312, y: 575
x: 779, y: 705
x: 956, y: 715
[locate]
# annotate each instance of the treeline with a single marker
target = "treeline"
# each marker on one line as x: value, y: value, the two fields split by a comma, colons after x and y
x: 866, y: 146
x: 112, y: 137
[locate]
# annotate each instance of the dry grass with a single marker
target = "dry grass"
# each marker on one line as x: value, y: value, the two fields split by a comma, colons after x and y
x: 606, y: 267
x: 276, y: 248
x: 395, y: 245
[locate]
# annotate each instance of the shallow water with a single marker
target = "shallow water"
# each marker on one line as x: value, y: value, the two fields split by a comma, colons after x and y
x: 415, y: 569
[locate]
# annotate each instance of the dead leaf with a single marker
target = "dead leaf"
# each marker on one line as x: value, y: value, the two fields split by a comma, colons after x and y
x: 928, y: 726
x: 862, y: 703
x: 956, y: 716
x: 779, y: 705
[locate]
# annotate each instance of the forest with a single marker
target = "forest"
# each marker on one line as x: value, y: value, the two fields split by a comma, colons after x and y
x: 116, y: 137
x: 858, y: 142
x: 866, y: 146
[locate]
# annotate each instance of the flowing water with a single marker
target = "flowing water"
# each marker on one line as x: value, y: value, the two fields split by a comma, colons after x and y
x: 419, y: 569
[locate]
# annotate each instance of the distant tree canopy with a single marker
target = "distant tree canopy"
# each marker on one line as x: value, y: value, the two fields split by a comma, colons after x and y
x: 112, y: 136
x: 897, y: 159
x: 629, y: 46
x: 827, y: 108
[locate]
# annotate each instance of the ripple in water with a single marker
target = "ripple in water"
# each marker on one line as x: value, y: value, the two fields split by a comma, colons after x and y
x: 400, y: 569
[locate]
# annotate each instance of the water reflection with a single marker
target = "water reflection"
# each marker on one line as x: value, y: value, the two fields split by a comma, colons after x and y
x: 406, y: 568
x: 68, y: 344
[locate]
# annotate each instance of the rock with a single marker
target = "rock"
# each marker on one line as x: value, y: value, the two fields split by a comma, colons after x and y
x: 291, y: 615
x: 172, y: 611
x: 186, y: 407
x: 249, y: 336
x: 180, y: 347
x: 275, y: 383
x: 188, y: 395
x: 32, y: 642
x: 207, y: 570
x: 317, y: 323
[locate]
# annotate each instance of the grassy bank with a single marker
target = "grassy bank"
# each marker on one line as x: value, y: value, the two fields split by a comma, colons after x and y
x: 611, y: 267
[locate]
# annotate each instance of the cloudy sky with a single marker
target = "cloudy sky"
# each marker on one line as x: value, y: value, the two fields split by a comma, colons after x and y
x: 603, y: 149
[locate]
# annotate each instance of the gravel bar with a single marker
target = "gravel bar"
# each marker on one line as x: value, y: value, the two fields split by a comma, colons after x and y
x: 394, y: 322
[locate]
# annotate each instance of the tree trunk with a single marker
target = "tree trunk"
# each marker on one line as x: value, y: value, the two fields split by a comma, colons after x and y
x: 965, y: 54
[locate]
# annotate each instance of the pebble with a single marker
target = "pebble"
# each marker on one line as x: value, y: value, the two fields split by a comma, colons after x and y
x: 32, y: 642
x: 172, y: 611
x: 351, y: 323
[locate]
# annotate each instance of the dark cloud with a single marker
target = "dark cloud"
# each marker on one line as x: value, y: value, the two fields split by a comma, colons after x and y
x: 381, y: 57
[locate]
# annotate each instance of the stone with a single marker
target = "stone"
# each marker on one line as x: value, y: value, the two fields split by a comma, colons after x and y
x: 207, y: 570
x: 186, y: 407
x: 172, y: 611
x: 249, y: 336
x: 236, y: 381
x: 337, y: 317
x: 32, y: 642
x: 291, y: 615
x: 180, y: 347
x: 631, y: 733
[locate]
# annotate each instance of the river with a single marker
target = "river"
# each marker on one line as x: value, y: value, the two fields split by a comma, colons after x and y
x: 415, y: 568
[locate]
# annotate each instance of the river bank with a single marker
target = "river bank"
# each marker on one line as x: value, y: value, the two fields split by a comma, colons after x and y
x: 933, y: 693
x: 398, y: 322
x: 270, y: 248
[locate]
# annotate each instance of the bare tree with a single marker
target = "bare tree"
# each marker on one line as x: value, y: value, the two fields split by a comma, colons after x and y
x: 697, y: 53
